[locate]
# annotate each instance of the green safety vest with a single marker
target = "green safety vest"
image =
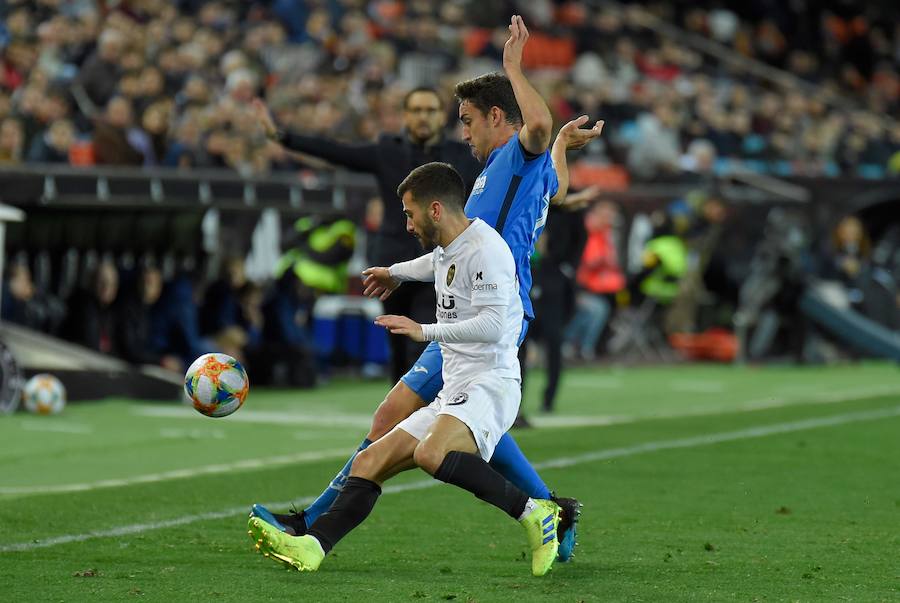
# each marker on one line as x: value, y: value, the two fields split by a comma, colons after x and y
x: 663, y: 282
x: 319, y: 238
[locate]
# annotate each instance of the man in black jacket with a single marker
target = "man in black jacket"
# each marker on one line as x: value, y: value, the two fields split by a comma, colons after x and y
x: 390, y: 159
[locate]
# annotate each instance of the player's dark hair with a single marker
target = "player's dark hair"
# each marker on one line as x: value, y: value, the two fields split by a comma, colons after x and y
x: 491, y: 90
x: 426, y: 89
x: 433, y: 181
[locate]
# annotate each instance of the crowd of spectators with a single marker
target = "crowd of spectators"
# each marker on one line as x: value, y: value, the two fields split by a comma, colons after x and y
x: 138, y: 314
x: 162, y: 83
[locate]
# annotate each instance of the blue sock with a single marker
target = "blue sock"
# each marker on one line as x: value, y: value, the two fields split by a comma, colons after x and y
x: 323, y: 503
x: 509, y: 461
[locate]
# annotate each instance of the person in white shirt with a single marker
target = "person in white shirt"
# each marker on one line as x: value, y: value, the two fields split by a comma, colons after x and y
x: 479, y: 317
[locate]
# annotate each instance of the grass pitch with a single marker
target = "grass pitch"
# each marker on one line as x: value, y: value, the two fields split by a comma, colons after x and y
x: 700, y: 483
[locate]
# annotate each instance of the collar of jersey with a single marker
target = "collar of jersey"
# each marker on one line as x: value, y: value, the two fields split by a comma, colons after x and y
x: 457, y: 242
x: 497, y: 150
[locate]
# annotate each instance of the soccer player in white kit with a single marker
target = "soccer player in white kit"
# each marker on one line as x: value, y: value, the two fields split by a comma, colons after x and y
x: 479, y: 319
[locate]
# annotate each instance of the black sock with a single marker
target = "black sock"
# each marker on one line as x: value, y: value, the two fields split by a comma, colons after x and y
x: 472, y: 473
x: 350, y: 508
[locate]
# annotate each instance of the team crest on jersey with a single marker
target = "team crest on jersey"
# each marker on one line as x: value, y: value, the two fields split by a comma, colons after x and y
x: 479, y: 185
x: 460, y: 398
x: 451, y: 272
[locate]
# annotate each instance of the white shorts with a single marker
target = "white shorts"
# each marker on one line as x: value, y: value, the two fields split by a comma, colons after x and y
x: 488, y: 406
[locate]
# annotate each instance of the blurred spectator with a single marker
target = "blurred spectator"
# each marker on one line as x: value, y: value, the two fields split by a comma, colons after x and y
x: 25, y: 304
x: 319, y: 252
x: 134, y: 341
x: 655, y: 150
x: 12, y: 141
x: 705, y: 281
x: 848, y: 257
x: 285, y: 356
x: 116, y: 142
x: 250, y: 315
x: 372, y: 223
x: 553, y: 266
x: 174, y: 322
x: 52, y: 145
x: 91, y: 318
x: 700, y: 158
x: 665, y: 263
x: 184, y: 149
x: 155, y: 127
x: 340, y: 68
x: 99, y: 75
x: 47, y: 107
x: 222, y: 316
x: 599, y: 278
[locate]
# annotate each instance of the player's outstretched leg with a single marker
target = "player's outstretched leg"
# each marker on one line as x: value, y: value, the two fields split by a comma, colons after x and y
x: 540, y: 518
x: 300, y: 552
x: 540, y: 523
x: 417, y: 388
x: 511, y: 463
x: 296, y: 524
x: 305, y: 553
x: 386, y: 458
x: 570, y: 512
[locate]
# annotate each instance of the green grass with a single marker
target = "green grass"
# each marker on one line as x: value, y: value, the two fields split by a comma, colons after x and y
x: 809, y: 514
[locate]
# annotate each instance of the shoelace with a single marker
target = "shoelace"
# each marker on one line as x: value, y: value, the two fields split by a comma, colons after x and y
x: 294, y: 512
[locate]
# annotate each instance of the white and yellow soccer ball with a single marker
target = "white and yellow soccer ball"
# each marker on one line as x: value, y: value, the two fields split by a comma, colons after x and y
x: 44, y: 394
x: 216, y: 384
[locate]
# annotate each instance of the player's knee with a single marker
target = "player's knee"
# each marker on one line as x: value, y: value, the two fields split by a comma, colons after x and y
x: 384, y: 420
x: 429, y: 457
x: 366, y: 465
x: 397, y: 405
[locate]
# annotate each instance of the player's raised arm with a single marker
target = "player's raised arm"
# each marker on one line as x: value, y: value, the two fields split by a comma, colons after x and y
x: 570, y: 137
x: 538, y: 129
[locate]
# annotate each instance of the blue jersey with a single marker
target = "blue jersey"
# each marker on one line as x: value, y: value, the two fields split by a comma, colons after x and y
x: 512, y: 194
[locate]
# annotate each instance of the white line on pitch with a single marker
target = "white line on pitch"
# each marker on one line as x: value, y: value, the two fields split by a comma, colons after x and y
x: 697, y: 386
x: 49, y: 424
x: 597, y: 455
x: 264, y: 416
x: 776, y: 400
x: 560, y: 421
x: 192, y: 434
x: 272, y: 461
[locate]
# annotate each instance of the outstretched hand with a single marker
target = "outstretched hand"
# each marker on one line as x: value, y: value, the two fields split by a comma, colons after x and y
x: 378, y: 282
x: 581, y: 199
x: 512, y: 50
x: 264, y: 117
x: 401, y: 325
x: 575, y: 137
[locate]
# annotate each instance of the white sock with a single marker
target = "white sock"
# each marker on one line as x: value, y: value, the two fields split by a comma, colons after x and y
x: 318, y: 543
x: 529, y: 507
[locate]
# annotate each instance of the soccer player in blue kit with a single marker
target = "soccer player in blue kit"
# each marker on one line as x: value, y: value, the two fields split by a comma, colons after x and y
x: 508, y: 125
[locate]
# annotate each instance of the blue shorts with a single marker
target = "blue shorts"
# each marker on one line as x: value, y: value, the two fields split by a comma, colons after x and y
x: 426, y: 377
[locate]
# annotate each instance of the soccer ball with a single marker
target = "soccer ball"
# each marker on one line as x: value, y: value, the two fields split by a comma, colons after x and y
x: 44, y: 395
x: 216, y: 384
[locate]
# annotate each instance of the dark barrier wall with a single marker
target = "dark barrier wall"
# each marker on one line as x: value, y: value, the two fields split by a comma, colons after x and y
x: 118, y: 209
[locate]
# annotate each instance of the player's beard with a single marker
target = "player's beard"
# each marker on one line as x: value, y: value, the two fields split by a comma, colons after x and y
x: 429, y: 236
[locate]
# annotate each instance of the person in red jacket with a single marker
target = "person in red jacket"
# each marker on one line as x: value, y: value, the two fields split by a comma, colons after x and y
x: 599, y: 277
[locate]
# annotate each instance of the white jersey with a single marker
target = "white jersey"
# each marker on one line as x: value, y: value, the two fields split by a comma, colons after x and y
x: 477, y: 269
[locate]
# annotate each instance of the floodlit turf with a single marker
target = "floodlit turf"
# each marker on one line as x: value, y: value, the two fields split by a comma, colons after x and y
x: 709, y: 483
